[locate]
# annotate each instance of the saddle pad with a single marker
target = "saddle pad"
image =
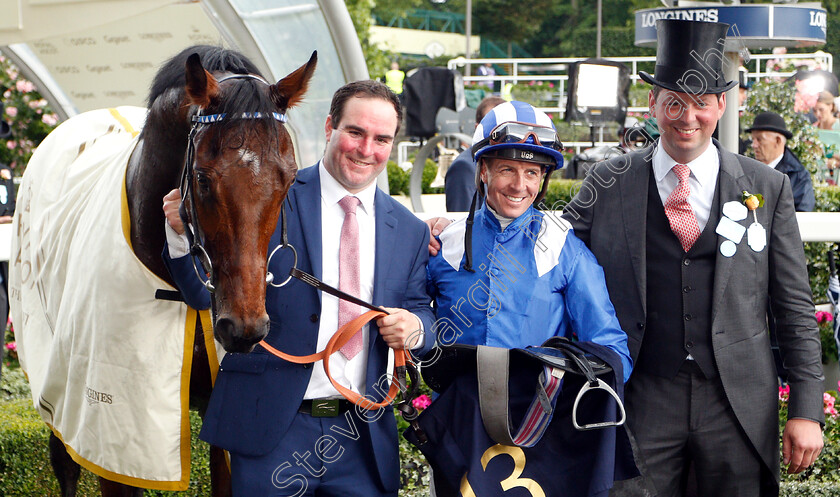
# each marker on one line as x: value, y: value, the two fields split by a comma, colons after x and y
x: 107, y: 363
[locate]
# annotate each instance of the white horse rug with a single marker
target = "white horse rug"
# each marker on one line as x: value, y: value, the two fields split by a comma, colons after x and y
x: 108, y: 364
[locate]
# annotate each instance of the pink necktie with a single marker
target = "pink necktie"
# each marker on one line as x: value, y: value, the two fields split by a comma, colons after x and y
x: 348, y: 272
x: 679, y: 211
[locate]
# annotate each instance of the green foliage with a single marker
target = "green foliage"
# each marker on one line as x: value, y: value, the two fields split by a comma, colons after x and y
x: 399, y: 181
x: 827, y: 342
x: 823, y: 476
x: 494, y: 19
x: 536, y: 93
x: 24, y: 451
x: 27, y: 112
x: 378, y: 60
x: 828, y: 200
x: 560, y: 192
x: 779, y: 97
x: 616, y: 41
x: 414, y: 471
x: 809, y: 488
x: 8, y: 354
x: 14, y: 385
x: 24, y: 454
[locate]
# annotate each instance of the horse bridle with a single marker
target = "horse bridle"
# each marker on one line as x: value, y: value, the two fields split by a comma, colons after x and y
x: 197, y: 249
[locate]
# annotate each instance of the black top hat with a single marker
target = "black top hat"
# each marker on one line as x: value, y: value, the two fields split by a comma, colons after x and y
x: 689, y: 57
x: 770, y: 121
x: 5, y: 129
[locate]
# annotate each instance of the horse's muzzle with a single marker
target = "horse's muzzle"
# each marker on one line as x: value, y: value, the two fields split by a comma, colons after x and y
x: 236, y: 335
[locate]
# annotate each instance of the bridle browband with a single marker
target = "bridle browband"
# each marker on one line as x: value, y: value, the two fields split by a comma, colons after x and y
x: 196, y: 240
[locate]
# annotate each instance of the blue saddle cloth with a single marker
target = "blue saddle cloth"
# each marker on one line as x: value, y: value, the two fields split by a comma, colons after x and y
x: 565, y: 462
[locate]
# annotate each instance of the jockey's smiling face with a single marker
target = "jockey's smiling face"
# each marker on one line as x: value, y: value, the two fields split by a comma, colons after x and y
x: 512, y: 185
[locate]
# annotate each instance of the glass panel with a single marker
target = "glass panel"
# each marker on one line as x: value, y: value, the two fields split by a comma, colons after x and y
x: 287, y: 32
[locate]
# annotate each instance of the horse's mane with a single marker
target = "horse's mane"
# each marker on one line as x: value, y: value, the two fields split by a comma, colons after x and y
x: 244, y: 97
x: 171, y: 73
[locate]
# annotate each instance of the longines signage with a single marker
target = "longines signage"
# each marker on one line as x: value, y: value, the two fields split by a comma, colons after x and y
x: 754, y: 25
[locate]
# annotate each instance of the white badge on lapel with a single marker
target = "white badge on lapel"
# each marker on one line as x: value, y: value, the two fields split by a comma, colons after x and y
x: 729, y: 226
x: 756, y: 237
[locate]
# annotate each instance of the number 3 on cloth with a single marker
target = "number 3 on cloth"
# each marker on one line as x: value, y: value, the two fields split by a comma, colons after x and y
x: 511, y: 481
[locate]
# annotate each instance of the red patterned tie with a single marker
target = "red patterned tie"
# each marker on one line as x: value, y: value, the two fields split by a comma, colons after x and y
x: 348, y: 272
x: 679, y: 211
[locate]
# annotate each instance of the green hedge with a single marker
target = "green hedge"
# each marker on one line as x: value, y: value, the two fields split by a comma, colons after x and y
x: 399, y: 180
x: 25, y: 464
x: 809, y: 489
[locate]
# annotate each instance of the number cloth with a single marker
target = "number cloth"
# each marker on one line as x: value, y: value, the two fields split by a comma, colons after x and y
x: 564, y: 463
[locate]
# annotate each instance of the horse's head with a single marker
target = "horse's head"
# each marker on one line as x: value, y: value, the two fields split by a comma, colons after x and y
x: 242, y: 167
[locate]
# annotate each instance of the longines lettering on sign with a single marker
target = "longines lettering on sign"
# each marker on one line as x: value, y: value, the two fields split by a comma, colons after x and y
x: 708, y: 15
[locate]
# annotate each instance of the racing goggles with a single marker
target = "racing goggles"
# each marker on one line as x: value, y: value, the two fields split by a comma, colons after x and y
x: 516, y: 132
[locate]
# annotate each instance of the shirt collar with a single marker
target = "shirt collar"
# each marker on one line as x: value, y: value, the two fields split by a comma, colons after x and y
x: 775, y: 162
x: 704, y: 168
x: 332, y: 191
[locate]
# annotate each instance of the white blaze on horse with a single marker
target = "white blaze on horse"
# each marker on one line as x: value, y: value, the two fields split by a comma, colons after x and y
x: 111, y: 367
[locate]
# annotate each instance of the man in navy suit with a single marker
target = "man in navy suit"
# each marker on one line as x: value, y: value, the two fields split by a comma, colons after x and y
x: 269, y: 413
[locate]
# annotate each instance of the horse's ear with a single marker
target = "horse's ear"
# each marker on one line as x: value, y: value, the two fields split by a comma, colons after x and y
x: 201, y: 85
x: 289, y: 91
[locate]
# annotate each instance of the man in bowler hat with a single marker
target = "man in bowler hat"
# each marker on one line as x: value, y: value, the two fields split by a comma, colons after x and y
x: 769, y: 140
x: 691, y: 264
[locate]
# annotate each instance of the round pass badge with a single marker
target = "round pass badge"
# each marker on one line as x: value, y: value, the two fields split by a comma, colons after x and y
x: 727, y: 248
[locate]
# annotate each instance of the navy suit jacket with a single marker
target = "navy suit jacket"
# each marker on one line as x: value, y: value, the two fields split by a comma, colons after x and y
x: 460, y: 183
x: 800, y: 182
x: 257, y: 395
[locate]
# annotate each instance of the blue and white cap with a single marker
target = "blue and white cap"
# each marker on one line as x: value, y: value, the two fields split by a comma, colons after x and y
x: 518, y: 112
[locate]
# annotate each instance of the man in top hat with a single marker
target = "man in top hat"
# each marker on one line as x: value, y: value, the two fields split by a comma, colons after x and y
x: 769, y: 140
x: 690, y: 271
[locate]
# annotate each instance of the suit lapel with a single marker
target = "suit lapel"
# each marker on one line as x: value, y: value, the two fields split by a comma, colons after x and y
x: 732, y: 183
x: 634, y: 192
x: 308, y: 202
x: 385, y: 243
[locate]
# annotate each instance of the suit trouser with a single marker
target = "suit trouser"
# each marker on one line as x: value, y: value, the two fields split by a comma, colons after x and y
x: 312, y: 459
x: 685, y: 420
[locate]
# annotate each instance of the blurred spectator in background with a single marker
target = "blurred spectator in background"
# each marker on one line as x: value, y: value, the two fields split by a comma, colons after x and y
x: 486, y: 70
x: 460, y: 178
x: 825, y: 111
x: 769, y: 138
x: 394, y: 80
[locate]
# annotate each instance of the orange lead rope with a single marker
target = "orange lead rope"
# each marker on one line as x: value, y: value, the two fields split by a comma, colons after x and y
x: 341, y: 337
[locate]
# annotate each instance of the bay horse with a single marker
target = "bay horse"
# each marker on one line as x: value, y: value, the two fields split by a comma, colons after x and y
x: 211, y: 114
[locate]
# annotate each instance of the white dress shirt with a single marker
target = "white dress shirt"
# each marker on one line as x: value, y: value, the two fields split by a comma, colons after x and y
x: 775, y: 162
x: 702, y: 181
x: 350, y: 374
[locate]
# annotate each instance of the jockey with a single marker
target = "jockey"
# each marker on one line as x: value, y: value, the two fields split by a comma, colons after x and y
x: 510, y: 275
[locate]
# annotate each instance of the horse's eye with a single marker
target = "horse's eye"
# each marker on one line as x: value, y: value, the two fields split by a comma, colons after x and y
x: 203, y: 183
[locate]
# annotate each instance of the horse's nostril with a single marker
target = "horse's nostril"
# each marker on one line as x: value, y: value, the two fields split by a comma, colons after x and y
x: 238, y: 336
x: 262, y: 328
x: 228, y: 328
